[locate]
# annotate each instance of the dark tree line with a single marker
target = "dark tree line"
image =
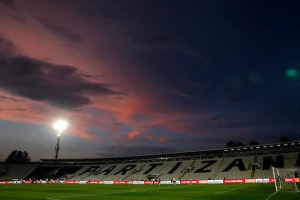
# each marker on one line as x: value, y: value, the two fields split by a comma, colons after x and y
x: 284, y: 139
x: 240, y: 144
x: 18, y: 157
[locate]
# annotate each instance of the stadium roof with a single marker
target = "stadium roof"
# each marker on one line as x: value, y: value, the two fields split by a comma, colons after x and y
x: 293, y: 146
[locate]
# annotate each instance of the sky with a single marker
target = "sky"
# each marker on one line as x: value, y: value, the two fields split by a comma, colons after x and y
x: 136, y: 77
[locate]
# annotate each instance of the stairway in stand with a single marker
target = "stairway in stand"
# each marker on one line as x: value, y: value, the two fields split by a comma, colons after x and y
x: 219, y: 168
x: 253, y: 171
x: 192, y: 165
x: 130, y: 174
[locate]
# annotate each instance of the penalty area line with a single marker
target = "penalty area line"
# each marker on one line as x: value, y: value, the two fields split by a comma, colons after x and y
x: 231, y: 190
x: 269, y: 197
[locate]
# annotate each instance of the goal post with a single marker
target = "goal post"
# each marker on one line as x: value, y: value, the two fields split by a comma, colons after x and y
x: 286, y: 179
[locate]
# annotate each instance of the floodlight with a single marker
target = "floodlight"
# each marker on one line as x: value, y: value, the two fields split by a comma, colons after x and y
x: 60, y: 125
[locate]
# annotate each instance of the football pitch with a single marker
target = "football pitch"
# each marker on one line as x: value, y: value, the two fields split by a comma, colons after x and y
x: 147, y: 192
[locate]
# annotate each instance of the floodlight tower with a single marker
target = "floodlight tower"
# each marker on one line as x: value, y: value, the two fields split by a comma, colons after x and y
x: 59, y: 126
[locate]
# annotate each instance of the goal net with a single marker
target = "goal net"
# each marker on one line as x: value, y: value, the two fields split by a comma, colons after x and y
x: 286, y: 179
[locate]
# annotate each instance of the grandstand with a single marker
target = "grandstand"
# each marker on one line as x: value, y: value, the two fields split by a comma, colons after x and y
x: 229, y: 163
x: 16, y: 171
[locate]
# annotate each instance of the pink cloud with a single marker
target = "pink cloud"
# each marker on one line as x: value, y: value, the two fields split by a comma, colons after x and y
x: 41, y: 40
x: 134, y: 134
x: 162, y: 140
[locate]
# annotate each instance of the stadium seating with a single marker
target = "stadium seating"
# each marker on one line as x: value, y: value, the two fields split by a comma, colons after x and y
x: 144, y: 172
x: 167, y: 172
x: 208, y: 173
x: 2, y: 166
x: 79, y: 175
x: 196, y: 168
x: 3, y: 169
x: 17, y: 171
x: 116, y: 174
x: 289, y: 162
x: 236, y: 171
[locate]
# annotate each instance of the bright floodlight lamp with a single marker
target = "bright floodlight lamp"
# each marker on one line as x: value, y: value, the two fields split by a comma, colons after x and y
x: 59, y: 126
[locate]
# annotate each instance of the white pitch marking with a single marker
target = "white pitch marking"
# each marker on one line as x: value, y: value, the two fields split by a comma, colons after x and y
x: 271, y: 195
x: 138, y: 190
x: 88, y: 195
x: 84, y: 195
x: 230, y: 190
x: 276, y: 192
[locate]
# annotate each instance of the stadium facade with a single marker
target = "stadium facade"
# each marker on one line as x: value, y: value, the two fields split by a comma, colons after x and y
x: 247, y: 164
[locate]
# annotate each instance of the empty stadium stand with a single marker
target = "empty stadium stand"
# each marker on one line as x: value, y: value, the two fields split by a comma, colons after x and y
x: 17, y: 171
x: 249, y: 162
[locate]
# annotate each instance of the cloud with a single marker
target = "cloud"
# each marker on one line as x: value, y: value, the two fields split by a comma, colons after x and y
x: 12, y: 109
x: 6, y: 98
x: 6, y: 48
x: 9, y: 3
x: 85, y: 75
x: 58, y: 85
x: 192, y: 140
x: 121, y: 150
x: 162, y: 140
x: 134, y: 134
x: 64, y: 32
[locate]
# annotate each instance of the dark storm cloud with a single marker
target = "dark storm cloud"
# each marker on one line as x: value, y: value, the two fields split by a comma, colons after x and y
x: 119, y: 150
x: 64, y: 32
x: 58, y: 85
x: 6, y: 98
x: 6, y: 47
x: 85, y: 75
x: 12, y: 109
x: 9, y: 3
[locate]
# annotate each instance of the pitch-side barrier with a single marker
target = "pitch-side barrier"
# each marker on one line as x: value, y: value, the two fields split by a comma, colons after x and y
x: 182, y: 182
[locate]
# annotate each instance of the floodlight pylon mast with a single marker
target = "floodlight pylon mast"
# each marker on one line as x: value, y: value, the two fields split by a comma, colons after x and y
x: 59, y: 126
x: 57, y: 147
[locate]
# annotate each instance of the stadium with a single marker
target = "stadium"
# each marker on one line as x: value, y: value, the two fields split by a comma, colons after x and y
x: 150, y: 99
x: 249, y: 172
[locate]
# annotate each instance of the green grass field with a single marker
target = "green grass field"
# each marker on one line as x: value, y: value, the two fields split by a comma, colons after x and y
x: 144, y: 192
